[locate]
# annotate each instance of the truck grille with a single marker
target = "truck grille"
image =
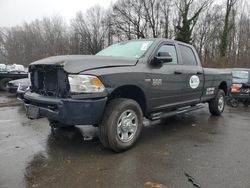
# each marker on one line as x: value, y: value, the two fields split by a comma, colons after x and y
x: 49, y: 80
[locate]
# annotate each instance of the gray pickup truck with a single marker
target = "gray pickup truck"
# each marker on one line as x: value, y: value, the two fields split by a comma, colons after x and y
x: 116, y: 88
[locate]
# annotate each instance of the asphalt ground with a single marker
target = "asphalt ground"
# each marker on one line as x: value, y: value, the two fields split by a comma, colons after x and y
x: 190, y: 150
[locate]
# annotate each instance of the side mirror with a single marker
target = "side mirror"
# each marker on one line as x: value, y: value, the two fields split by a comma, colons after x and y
x: 162, y: 57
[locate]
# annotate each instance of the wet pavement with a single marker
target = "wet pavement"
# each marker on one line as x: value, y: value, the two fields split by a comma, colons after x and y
x: 8, y: 99
x: 190, y: 150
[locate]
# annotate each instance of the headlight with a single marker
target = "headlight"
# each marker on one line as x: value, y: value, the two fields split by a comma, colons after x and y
x: 22, y: 88
x: 85, y: 84
x: 29, y: 76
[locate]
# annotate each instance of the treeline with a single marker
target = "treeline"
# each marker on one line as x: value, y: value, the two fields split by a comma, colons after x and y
x: 220, y: 31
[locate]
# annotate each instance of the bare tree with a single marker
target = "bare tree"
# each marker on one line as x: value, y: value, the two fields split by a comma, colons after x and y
x: 198, y: 22
x: 226, y: 28
x: 186, y: 22
x: 55, y: 36
x: 91, y: 29
x: 127, y: 19
x: 152, y: 15
x: 2, y: 45
x: 165, y: 8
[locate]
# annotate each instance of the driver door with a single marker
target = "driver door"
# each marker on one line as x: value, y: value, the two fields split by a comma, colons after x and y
x: 168, y: 80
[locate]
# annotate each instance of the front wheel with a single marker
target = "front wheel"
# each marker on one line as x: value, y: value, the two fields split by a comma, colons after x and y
x: 217, y: 105
x: 234, y: 103
x: 121, y: 125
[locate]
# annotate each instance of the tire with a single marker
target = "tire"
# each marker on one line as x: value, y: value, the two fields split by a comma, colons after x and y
x: 234, y: 103
x: 217, y: 105
x: 229, y: 100
x: 3, y: 84
x: 121, y: 125
x: 246, y: 103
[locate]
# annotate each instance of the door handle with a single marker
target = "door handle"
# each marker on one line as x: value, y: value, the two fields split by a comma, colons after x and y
x: 177, y: 72
x: 199, y: 73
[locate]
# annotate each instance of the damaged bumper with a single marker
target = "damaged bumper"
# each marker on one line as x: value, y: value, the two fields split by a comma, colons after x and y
x: 67, y: 111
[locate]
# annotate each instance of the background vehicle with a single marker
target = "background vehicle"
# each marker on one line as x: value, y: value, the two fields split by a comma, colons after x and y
x: 11, y: 72
x: 19, y: 86
x: 240, y: 90
x: 114, y: 90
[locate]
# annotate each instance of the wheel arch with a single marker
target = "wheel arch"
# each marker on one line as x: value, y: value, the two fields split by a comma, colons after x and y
x: 132, y: 92
x: 224, y: 87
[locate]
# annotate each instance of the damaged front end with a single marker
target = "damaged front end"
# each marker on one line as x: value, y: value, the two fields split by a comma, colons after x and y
x: 49, y: 80
x: 49, y: 96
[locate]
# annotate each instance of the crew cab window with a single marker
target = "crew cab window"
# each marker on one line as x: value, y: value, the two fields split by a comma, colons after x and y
x: 188, y: 56
x: 171, y: 50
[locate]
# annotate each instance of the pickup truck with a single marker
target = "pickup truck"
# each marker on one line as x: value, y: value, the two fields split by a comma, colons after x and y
x: 122, y: 85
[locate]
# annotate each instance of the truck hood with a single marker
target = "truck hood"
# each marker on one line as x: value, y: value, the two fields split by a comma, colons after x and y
x: 23, y: 82
x: 79, y: 63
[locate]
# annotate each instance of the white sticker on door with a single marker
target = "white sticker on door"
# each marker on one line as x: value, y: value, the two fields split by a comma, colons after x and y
x: 194, y: 82
x: 210, y: 91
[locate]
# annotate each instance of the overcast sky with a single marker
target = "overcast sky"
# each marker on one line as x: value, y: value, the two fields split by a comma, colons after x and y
x: 14, y: 12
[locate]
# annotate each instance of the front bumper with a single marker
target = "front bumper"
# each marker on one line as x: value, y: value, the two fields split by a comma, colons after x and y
x: 66, y: 111
x: 241, y: 95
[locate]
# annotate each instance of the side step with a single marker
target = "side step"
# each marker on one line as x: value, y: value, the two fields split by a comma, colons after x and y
x: 160, y: 115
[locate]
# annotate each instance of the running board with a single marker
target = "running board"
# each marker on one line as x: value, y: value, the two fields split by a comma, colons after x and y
x: 160, y: 115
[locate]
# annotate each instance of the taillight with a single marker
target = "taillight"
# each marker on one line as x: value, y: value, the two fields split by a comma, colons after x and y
x: 236, y: 88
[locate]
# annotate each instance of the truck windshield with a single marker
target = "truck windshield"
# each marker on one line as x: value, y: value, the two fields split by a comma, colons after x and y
x: 240, y: 75
x: 127, y: 49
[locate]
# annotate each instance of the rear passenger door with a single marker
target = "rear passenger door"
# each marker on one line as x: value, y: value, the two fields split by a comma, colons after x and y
x: 194, y: 76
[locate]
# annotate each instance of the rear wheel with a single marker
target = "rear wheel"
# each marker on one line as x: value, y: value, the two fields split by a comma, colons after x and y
x: 3, y: 84
x: 121, y: 125
x: 217, y: 105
